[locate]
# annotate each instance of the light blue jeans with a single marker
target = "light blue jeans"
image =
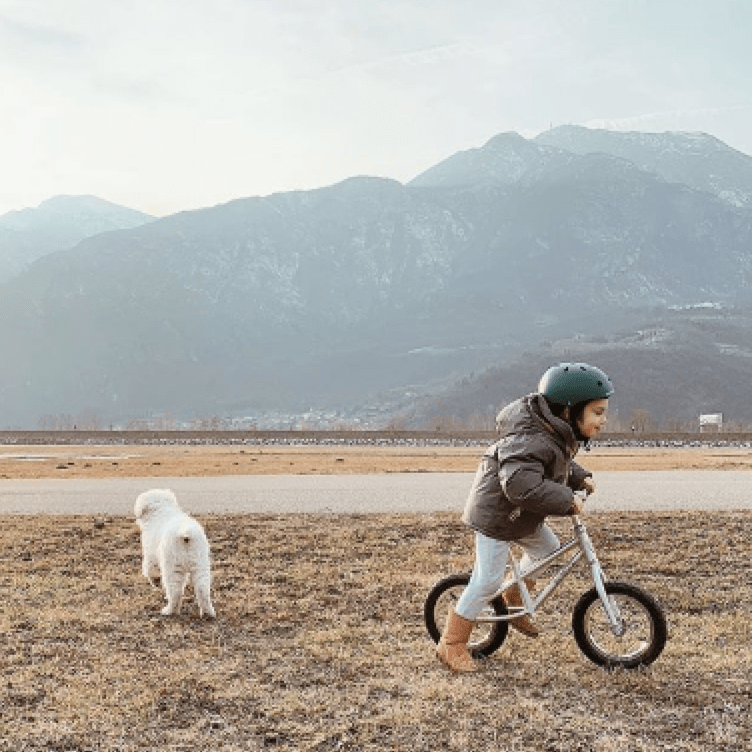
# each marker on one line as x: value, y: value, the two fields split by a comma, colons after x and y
x: 491, y: 558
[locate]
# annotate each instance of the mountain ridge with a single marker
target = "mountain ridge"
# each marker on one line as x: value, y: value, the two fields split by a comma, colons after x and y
x: 697, y: 160
x: 668, y: 368
x: 367, y: 292
x: 57, y: 224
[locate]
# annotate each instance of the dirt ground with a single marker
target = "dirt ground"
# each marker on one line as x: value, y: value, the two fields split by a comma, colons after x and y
x: 319, y: 643
x: 48, y: 461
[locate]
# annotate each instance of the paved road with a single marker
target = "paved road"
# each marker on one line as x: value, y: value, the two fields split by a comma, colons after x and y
x: 393, y: 492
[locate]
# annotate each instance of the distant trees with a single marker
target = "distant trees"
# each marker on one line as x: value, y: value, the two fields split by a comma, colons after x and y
x: 155, y: 423
x: 89, y: 421
x: 211, y: 423
x: 680, y: 425
x: 84, y: 421
x: 478, y: 420
x: 396, y: 424
x: 641, y: 420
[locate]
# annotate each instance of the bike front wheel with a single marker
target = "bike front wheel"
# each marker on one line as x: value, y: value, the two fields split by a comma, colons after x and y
x: 640, y: 639
x: 486, y: 637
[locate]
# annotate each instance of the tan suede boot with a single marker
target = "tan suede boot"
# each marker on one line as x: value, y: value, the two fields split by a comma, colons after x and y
x: 513, y: 597
x: 452, y: 647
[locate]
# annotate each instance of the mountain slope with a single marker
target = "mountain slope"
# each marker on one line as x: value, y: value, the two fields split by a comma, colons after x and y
x: 694, y: 159
x: 503, y: 160
x: 672, y: 365
x: 366, y: 292
x: 56, y: 225
x: 241, y: 304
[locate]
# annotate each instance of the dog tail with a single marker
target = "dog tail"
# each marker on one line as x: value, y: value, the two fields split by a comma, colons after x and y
x: 189, y: 533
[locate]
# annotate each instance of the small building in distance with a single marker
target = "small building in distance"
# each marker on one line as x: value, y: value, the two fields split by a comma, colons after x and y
x: 711, y: 423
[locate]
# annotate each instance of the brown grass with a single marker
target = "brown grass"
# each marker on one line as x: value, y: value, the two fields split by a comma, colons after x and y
x: 148, y: 461
x: 319, y: 642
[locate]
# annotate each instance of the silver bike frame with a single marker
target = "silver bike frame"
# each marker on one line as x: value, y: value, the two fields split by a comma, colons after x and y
x: 580, y: 540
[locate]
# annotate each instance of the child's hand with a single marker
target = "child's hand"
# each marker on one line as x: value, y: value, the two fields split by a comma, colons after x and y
x: 588, y: 486
x: 578, y: 505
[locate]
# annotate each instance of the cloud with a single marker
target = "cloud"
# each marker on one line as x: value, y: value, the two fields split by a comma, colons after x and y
x: 644, y: 120
x: 140, y: 91
x: 168, y: 104
x: 22, y: 33
x: 432, y: 55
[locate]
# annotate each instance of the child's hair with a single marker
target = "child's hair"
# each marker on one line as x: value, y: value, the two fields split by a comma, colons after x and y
x: 575, y: 414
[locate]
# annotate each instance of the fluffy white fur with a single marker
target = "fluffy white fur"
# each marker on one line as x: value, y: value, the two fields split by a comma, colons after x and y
x: 175, y: 548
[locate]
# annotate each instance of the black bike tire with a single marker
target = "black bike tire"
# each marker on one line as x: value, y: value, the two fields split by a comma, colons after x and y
x: 659, y: 632
x: 498, y: 630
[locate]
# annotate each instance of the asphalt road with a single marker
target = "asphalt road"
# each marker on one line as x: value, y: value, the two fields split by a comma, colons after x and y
x: 393, y: 492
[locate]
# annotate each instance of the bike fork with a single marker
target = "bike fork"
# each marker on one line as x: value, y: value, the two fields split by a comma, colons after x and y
x: 609, y: 606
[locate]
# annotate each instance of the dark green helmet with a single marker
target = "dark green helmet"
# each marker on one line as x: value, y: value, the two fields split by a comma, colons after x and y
x: 570, y: 383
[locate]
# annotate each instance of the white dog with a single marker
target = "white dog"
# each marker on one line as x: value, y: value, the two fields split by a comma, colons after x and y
x: 175, y: 548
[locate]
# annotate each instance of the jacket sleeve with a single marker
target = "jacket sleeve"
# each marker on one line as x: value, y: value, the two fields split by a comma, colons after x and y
x: 577, y: 475
x: 524, y: 483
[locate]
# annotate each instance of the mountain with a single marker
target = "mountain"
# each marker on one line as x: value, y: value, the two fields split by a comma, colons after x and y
x: 504, y: 160
x: 57, y: 225
x: 368, y: 292
x: 258, y: 303
x: 694, y: 159
x: 681, y: 363
x: 598, y: 232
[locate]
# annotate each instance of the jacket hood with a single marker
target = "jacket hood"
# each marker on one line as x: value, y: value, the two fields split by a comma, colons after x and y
x: 531, y: 415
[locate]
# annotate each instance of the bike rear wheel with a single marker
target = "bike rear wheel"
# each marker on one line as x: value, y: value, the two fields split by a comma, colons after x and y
x: 486, y: 638
x: 644, y: 627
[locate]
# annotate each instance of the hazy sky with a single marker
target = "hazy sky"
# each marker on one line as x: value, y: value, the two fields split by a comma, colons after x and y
x: 166, y: 105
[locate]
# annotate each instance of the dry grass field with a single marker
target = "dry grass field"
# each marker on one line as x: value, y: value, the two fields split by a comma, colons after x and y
x: 178, y: 460
x: 319, y: 642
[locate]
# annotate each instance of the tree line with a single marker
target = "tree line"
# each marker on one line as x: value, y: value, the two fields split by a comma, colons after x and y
x: 638, y: 421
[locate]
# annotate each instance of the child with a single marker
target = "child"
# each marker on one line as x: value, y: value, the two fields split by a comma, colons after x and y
x: 526, y: 475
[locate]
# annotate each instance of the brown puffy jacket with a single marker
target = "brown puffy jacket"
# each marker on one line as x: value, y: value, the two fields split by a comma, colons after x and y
x: 526, y: 475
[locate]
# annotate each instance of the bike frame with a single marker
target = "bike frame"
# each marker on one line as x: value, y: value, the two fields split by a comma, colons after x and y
x: 580, y: 540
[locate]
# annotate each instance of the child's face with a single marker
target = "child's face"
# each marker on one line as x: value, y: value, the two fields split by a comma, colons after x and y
x: 593, y: 418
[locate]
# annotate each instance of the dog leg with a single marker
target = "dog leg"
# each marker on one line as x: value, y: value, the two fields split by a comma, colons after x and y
x: 153, y: 574
x: 202, y: 589
x: 150, y: 570
x: 174, y: 589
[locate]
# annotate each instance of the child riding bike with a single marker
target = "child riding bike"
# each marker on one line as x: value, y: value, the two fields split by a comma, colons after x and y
x: 527, y: 474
